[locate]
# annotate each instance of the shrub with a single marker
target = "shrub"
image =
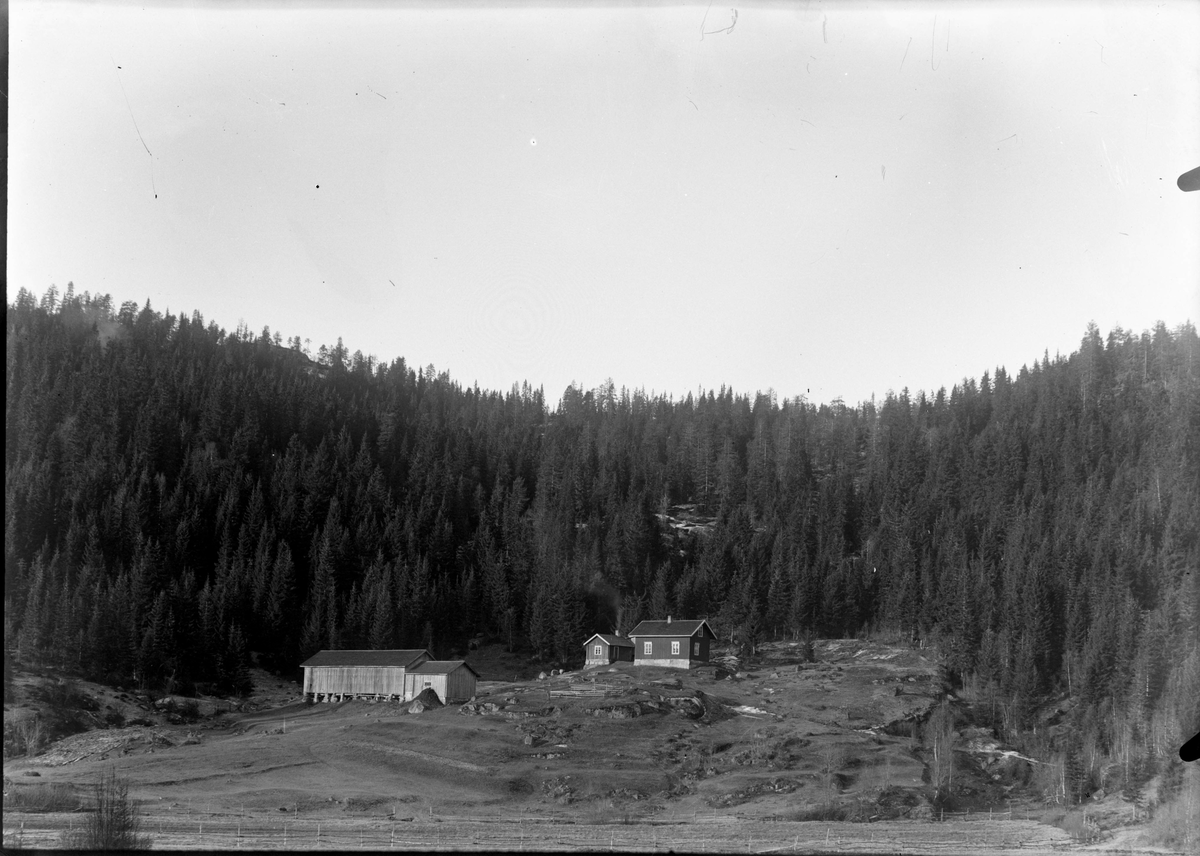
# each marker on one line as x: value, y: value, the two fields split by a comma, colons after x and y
x: 1177, y: 823
x: 1083, y: 829
x: 25, y: 736
x: 822, y: 811
x: 42, y: 796
x: 66, y: 695
x: 114, y: 824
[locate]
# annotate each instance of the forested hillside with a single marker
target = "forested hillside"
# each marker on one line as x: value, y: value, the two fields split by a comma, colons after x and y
x: 176, y: 496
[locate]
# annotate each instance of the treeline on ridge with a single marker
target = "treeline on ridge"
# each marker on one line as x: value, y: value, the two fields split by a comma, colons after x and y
x: 177, y: 496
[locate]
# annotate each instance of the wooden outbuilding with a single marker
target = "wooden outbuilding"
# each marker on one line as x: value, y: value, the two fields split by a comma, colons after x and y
x: 603, y: 649
x: 344, y: 675
x: 452, y: 680
x: 679, y: 644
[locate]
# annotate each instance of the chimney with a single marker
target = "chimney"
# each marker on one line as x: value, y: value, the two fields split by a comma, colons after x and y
x: 668, y: 619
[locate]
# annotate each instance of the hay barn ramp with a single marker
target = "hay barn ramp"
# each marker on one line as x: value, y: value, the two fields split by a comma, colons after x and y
x: 343, y: 675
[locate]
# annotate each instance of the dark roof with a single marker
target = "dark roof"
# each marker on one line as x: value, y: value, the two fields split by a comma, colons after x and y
x: 401, y: 658
x: 672, y: 628
x: 617, y: 641
x: 441, y: 667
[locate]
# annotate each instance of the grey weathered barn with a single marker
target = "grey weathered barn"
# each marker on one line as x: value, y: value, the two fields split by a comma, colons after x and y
x: 604, y: 648
x: 452, y: 680
x: 343, y: 675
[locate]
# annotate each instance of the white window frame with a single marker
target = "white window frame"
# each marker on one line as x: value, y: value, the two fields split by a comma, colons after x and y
x: 675, y: 648
x: 598, y: 651
x: 647, y: 648
x: 696, y: 648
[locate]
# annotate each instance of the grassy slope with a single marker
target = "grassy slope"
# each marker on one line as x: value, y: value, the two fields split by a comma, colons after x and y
x: 366, y: 757
x: 772, y: 740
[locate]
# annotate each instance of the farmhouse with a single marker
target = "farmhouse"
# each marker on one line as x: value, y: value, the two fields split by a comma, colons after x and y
x: 452, y: 680
x: 604, y: 648
x: 681, y: 644
x: 342, y: 675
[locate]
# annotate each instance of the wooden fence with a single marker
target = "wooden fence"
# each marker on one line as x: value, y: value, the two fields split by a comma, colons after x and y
x: 683, y: 833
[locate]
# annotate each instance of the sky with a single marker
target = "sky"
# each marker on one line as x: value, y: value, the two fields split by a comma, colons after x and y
x: 831, y: 200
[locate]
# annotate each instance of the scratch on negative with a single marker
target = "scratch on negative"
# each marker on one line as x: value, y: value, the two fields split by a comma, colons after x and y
x: 932, y: 44
x: 136, y: 129
x: 906, y: 47
x: 726, y: 30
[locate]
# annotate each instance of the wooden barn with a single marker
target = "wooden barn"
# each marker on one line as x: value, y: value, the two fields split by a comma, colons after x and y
x: 452, y: 680
x: 680, y: 644
x: 604, y: 648
x: 343, y: 675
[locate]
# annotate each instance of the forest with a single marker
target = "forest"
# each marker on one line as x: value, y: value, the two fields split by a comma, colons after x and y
x: 178, y: 496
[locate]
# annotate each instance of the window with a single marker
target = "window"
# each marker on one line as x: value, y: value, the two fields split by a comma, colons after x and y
x: 648, y: 648
x: 428, y: 684
x: 696, y: 648
x: 675, y: 647
x: 597, y: 650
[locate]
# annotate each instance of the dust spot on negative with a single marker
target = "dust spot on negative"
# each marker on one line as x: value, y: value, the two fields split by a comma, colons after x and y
x: 533, y: 141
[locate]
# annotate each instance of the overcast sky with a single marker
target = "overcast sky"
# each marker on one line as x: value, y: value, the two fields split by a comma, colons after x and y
x: 826, y: 199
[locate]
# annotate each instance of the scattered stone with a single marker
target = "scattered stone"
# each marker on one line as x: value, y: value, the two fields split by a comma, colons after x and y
x: 33, y: 773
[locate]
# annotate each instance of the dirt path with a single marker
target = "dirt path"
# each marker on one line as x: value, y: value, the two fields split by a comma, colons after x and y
x: 426, y: 757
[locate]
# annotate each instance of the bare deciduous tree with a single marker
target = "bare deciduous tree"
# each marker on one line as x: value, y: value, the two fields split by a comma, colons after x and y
x: 115, y: 824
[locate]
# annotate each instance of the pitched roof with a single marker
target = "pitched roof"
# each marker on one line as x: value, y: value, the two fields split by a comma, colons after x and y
x: 672, y: 628
x: 616, y: 641
x: 401, y: 658
x: 441, y: 667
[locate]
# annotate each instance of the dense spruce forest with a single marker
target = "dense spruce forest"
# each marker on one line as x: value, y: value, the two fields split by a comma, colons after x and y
x: 177, y: 496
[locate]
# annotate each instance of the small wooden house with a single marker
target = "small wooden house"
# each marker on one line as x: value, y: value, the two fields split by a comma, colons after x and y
x: 452, y: 680
x: 679, y: 644
x: 343, y: 675
x: 604, y: 648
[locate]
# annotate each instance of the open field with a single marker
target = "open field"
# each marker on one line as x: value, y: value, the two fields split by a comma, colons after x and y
x: 768, y: 758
